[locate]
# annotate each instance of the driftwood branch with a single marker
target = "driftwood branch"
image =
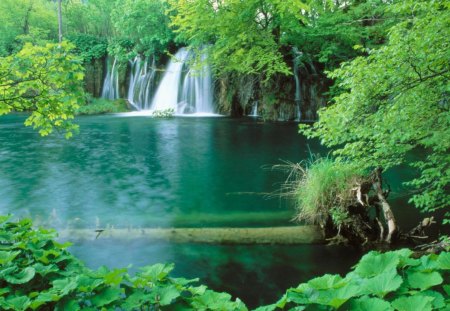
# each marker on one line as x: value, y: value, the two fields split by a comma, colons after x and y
x: 385, y: 207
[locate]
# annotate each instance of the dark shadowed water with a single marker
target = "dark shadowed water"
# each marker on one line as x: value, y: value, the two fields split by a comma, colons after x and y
x: 182, y: 172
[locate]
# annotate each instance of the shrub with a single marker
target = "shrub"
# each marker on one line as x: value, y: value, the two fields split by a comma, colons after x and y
x: 166, y: 113
x: 101, y: 105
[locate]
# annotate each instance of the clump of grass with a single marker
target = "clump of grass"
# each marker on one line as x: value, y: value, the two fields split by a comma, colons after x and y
x: 101, y: 105
x: 322, y: 188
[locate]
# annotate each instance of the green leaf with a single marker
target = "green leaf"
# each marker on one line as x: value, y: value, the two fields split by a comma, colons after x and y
x: 327, y: 281
x: 272, y: 307
x: 375, y: 263
x: 423, y: 280
x: 65, y: 286
x: 368, y: 303
x: 413, y: 303
x: 165, y: 295
x: 156, y: 272
x: 383, y: 283
x: 135, y: 300
x: 22, y: 277
x: 443, y: 261
x: 68, y: 305
x: 19, y: 303
x: 6, y: 257
x: 439, y: 300
x: 114, y: 277
x: 106, y: 296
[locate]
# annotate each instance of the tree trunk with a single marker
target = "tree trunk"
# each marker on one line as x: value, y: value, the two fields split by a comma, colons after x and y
x: 60, y: 36
x: 386, y: 208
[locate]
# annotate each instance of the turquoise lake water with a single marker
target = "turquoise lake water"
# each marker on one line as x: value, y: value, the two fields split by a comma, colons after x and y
x: 182, y: 172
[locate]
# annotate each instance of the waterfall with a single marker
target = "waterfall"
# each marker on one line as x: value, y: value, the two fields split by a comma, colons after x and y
x: 298, y: 97
x: 185, y: 88
x: 254, y: 112
x: 111, y: 82
x: 141, y: 83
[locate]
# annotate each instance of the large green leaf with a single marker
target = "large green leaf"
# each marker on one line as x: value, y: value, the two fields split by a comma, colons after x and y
x: 68, y: 305
x: 6, y: 257
x: 271, y: 307
x: 156, y: 272
x: 43, y: 298
x: 65, y: 286
x: 106, y: 296
x: 18, y: 303
x: 135, y: 300
x: 439, y: 300
x: 327, y: 281
x: 383, y: 283
x: 369, y: 303
x: 444, y: 261
x: 413, y: 303
x: 375, y: 263
x: 115, y: 276
x: 211, y: 300
x: 423, y: 280
x: 21, y: 277
x: 164, y: 295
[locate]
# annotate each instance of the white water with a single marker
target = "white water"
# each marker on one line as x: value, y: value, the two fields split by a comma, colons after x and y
x: 185, y: 88
x: 141, y: 83
x: 254, y: 112
x: 111, y: 82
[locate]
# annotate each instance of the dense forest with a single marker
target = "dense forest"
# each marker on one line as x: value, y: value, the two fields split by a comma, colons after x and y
x: 369, y: 79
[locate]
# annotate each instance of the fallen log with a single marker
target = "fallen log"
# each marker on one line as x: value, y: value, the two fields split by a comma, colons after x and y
x: 271, y: 235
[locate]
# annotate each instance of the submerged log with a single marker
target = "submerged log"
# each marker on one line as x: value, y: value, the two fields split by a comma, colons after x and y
x: 271, y: 235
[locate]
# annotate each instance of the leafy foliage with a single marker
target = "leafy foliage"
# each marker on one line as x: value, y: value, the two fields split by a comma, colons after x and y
x: 144, y: 23
x: 37, y: 273
x: 46, y: 80
x: 396, y: 100
x: 101, y: 105
x: 241, y: 36
x: 24, y: 21
x: 89, y: 47
x: 380, y: 281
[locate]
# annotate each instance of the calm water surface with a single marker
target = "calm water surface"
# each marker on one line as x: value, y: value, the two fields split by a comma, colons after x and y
x: 181, y: 172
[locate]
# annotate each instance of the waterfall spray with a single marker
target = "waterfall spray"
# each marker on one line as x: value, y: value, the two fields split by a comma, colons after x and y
x: 298, y: 97
x: 141, y: 83
x: 185, y: 88
x: 111, y: 82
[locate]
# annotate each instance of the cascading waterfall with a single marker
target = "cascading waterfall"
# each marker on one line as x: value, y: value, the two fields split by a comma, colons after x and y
x: 184, y: 88
x: 141, y: 83
x: 111, y: 82
x: 254, y: 112
x: 298, y: 97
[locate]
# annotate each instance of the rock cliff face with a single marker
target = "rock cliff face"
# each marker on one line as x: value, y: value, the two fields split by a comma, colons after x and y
x: 94, y: 75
